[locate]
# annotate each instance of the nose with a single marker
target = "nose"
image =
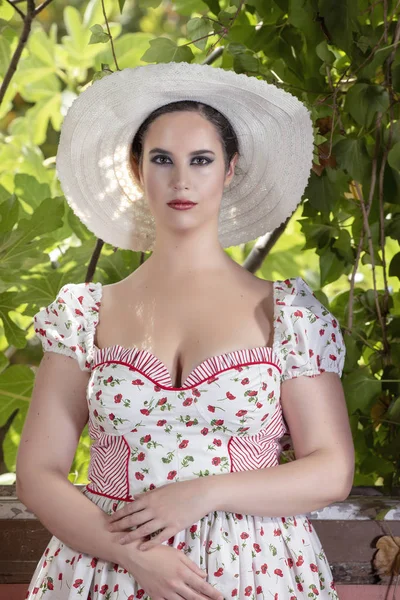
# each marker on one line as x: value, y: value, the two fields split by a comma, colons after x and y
x: 180, y: 178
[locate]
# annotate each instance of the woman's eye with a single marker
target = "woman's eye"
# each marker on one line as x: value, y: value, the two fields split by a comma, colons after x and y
x: 203, y: 158
x: 162, y: 157
x: 159, y: 156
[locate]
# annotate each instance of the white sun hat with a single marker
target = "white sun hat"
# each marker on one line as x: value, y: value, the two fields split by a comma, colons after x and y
x: 275, y: 137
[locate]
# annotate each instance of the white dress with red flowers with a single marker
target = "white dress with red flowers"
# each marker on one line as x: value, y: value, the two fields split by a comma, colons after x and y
x: 226, y: 417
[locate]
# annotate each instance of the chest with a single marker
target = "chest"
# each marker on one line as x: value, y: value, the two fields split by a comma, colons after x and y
x: 183, y: 328
x: 236, y: 393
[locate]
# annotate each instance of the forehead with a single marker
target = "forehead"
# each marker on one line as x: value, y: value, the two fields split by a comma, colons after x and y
x: 181, y: 127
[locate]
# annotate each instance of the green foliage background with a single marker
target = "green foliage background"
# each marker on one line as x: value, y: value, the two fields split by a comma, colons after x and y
x: 340, y: 57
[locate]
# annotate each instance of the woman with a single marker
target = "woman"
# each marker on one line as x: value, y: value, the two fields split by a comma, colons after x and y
x: 191, y: 366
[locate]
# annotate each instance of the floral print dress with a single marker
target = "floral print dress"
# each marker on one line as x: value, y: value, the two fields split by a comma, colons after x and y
x: 225, y: 417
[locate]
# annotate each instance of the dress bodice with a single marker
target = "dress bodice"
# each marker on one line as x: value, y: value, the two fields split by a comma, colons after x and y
x: 226, y: 416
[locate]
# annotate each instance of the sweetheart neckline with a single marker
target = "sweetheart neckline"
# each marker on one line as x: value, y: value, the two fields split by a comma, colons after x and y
x: 203, y: 362
x: 196, y: 368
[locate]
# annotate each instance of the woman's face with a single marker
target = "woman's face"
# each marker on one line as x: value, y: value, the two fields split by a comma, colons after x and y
x: 183, y: 159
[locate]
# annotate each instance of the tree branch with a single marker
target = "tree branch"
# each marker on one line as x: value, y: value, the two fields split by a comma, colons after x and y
x: 94, y: 260
x: 262, y: 247
x: 28, y: 18
x: 42, y: 6
x: 367, y: 229
x: 226, y: 30
x: 19, y: 11
x: 109, y: 33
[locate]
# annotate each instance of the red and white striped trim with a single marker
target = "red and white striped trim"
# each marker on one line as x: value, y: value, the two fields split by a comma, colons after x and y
x: 108, y: 467
x: 153, y: 368
x: 260, y: 450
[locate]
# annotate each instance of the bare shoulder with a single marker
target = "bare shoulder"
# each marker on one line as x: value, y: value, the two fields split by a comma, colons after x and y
x: 120, y: 291
x: 264, y: 287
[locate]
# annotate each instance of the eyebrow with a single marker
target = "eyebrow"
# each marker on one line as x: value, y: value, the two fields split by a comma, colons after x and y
x: 161, y: 150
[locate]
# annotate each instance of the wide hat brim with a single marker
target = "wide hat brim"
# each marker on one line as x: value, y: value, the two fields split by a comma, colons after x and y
x: 273, y: 127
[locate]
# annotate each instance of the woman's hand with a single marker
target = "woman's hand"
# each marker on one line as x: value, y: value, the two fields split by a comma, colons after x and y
x: 166, y: 573
x: 170, y: 508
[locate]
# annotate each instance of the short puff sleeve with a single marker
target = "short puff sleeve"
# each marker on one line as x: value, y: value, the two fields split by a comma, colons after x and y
x: 68, y: 324
x: 308, y: 338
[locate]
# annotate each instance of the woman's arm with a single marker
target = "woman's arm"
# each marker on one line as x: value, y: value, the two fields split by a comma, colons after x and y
x: 316, y: 414
x: 56, y: 417
x: 69, y: 515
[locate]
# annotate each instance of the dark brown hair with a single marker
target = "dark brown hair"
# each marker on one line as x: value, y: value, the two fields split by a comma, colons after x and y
x: 223, y: 127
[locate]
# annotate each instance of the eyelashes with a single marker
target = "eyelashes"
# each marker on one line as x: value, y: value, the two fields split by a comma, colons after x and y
x: 208, y: 161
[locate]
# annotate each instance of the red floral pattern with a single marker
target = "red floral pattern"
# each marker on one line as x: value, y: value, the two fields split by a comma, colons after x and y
x: 225, y: 417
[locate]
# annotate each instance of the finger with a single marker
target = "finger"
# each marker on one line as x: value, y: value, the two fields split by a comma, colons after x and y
x: 119, y: 514
x: 192, y: 565
x: 131, y: 520
x: 201, y: 589
x: 144, y: 531
x: 163, y: 536
x: 208, y: 590
x: 151, y: 527
x: 129, y: 508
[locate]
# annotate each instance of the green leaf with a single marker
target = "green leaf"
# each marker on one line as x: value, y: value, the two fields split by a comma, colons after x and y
x: 394, y: 157
x: 42, y: 47
x: 188, y: 7
x: 236, y: 48
x: 129, y: 49
x: 227, y: 16
x: 343, y: 246
x: 9, y: 301
x: 393, y: 412
x: 246, y: 63
x: 352, y: 155
x: 17, y: 248
x: 100, y: 74
x: 16, y: 385
x: 321, y: 192
x: 36, y: 80
x: 269, y: 11
x: 340, y: 20
x: 28, y: 189
x: 331, y: 267
x: 213, y: 5
x: 41, y: 113
x: 325, y: 53
x: 372, y: 67
x: 392, y: 227
x: 361, y: 390
x: 164, y: 50
x: 302, y: 15
x: 317, y: 235
x: 4, y: 194
x: 9, y: 211
x: 396, y: 78
x: 197, y: 28
x: 80, y: 230
x: 99, y: 36
x: 5, y: 55
x: 394, y: 267
x: 118, y: 265
x: 121, y: 4
x: 76, y: 48
x: 7, y: 11
x: 363, y: 101
x: 73, y: 24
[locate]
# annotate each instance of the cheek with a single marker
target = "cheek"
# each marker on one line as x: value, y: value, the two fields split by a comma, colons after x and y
x: 155, y: 184
x: 210, y: 179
